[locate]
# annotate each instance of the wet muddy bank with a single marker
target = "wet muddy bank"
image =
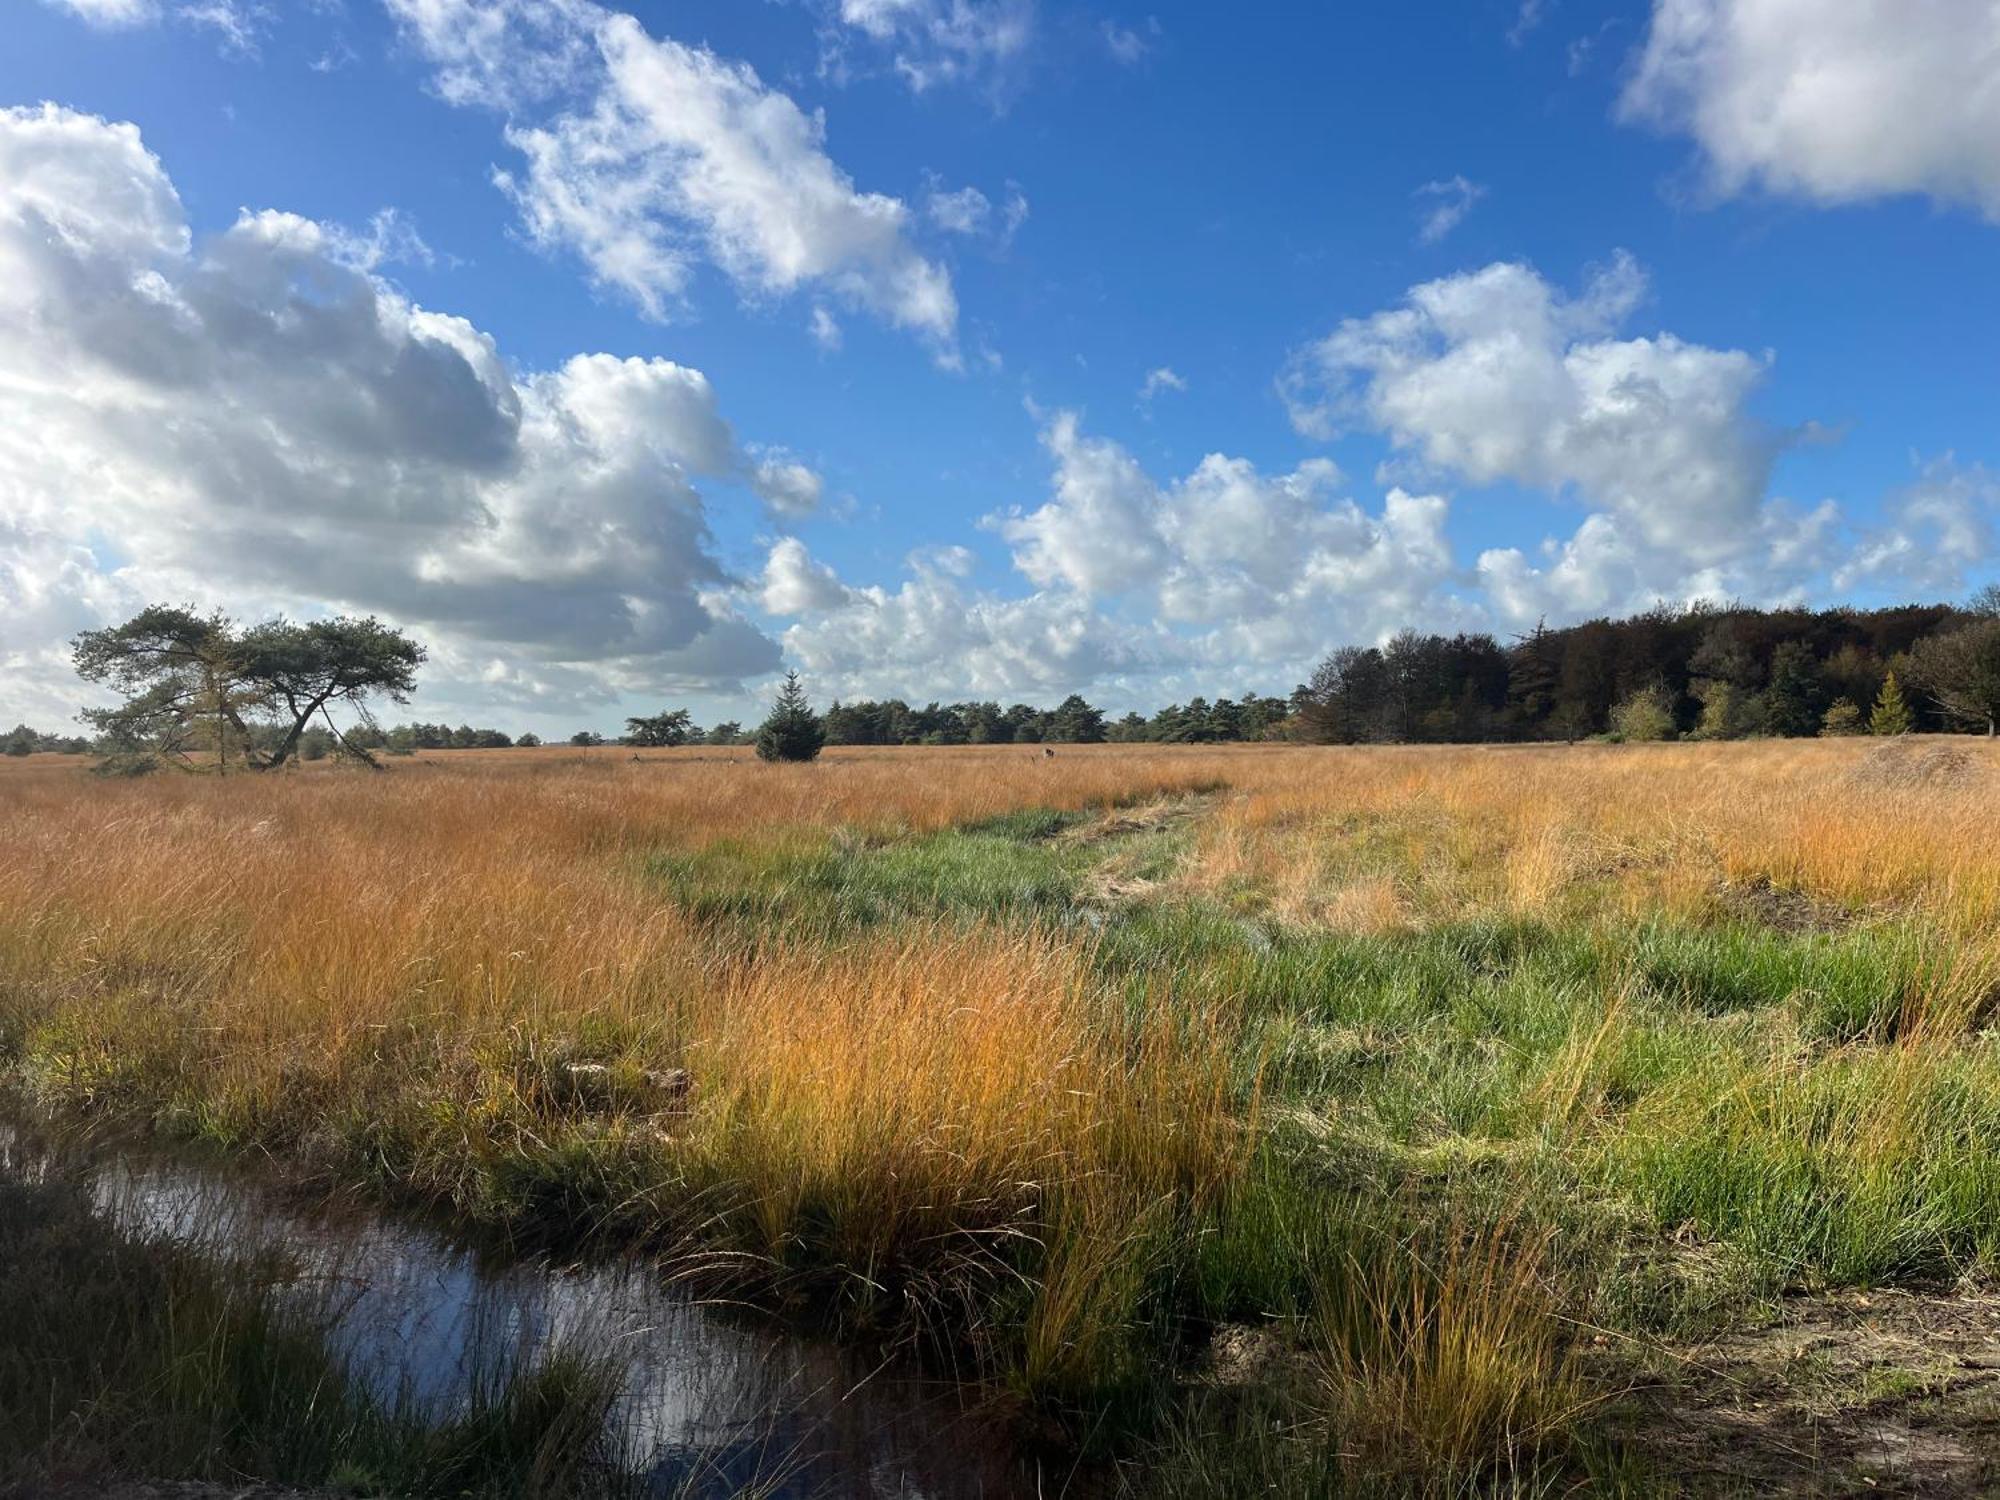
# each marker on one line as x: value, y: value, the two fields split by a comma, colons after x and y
x: 709, y: 1401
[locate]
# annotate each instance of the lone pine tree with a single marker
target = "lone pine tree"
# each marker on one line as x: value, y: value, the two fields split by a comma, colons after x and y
x: 793, y: 731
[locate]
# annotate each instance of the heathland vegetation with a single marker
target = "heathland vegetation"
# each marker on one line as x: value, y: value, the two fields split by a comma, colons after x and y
x: 1297, y: 1119
x: 1370, y: 1120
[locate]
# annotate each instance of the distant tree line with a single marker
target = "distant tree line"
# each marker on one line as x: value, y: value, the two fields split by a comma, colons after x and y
x: 1706, y: 672
x: 21, y: 740
x: 1074, y: 721
x: 1198, y: 721
x: 202, y: 692
x: 894, y: 722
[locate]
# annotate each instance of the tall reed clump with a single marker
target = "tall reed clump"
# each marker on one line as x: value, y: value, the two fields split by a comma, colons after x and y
x: 1424, y: 1352
x: 940, y: 1113
x: 1444, y: 1361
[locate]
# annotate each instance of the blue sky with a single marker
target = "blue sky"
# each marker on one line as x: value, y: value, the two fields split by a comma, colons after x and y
x: 1141, y: 351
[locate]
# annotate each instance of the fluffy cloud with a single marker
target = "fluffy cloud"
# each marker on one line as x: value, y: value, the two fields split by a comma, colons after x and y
x: 661, y: 156
x: 1608, y: 568
x: 1245, y: 566
x: 1223, y: 580
x: 1494, y: 375
x: 1227, y: 542
x: 1835, y: 101
x: 795, y: 584
x: 785, y: 484
x: 934, y: 637
x: 1099, y: 534
x: 258, y: 420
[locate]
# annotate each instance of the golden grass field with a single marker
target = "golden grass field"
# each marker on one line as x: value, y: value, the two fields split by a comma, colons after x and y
x: 1470, y: 1089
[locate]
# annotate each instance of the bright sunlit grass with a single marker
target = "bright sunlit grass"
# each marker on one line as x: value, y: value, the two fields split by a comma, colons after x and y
x: 1060, y: 1064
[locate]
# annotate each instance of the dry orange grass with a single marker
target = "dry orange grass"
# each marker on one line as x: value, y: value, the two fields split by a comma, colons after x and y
x: 412, y: 965
x: 428, y: 955
x: 1629, y: 830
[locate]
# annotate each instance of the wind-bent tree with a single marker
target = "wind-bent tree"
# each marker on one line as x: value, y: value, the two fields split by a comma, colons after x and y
x: 1960, y: 670
x: 306, y: 670
x: 200, y: 693
x: 181, y: 677
x: 674, y: 727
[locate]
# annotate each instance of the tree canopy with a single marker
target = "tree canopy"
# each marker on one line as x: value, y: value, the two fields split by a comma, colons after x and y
x: 201, y: 693
x: 674, y: 726
x: 1960, y: 670
x: 1715, y: 672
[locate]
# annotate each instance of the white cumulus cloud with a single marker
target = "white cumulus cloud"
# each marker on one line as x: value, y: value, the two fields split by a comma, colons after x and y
x: 1226, y: 543
x: 935, y: 637
x: 256, y: 420
x: 1833, y: 101
x: 1223, y: 580
x: 1495, y: 375
x: 795, y: 584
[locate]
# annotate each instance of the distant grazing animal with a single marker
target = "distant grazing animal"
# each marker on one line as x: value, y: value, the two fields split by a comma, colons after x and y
x: 1048, y: 752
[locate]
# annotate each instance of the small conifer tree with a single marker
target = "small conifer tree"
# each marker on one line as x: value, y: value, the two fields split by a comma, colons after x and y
x: 1842, y: 717
x: 1891, y: 715
x: 793, y: 731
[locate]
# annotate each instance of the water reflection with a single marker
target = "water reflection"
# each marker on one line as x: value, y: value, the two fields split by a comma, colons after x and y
x: 709, y: 1405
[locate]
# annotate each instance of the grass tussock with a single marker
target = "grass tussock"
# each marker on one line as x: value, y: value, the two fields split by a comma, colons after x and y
x: 1447, y: 1364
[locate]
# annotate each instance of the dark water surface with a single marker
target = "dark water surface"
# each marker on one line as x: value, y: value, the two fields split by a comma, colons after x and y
x: 711, y: 1404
